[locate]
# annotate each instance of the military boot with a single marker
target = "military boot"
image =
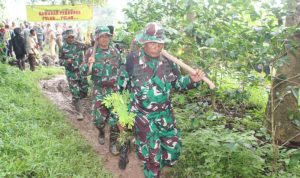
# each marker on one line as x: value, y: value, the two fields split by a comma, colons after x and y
x: 123, y: 160
x: 101, y: 136
x: 78, y: 108
x: 113, y: 136
x: 78, y: 105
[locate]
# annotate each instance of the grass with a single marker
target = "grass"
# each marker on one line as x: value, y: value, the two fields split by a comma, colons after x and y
x: 35, y: 138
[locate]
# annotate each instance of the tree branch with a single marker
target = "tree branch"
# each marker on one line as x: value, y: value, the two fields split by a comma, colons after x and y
x: 290, y: 139
x: 286, y: 80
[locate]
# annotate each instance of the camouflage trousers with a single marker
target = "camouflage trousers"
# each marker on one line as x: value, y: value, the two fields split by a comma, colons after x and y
x: 103, y: 115
x: 78, y: 87
x: 158, y: 142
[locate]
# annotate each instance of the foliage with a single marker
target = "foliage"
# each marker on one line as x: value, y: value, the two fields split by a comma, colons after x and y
x: 290, y: 158
x: 36, y: 140
x: 94, y: 2
x: 124, y: 136
x: 216, y: 152
x: 201, y: 127
x: 233, y: 34
x: 120, y: 106
x: 228, y: 39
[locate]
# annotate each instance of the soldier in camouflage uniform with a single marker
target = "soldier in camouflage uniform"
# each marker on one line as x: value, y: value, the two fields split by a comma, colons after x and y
x: 71, y: 57
x: 106, y: 62
x: 150, y: 78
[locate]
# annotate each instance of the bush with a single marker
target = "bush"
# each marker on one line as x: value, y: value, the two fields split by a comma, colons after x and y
x: 217, y: 152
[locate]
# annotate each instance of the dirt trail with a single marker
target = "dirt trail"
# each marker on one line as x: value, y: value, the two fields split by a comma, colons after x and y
x: 56, y: 90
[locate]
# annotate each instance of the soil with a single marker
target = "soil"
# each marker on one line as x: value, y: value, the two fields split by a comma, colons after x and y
x: 56, y: 90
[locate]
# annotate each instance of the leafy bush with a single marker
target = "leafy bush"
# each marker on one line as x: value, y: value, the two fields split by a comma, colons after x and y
x: 217, y: 152
x: 119, y: 103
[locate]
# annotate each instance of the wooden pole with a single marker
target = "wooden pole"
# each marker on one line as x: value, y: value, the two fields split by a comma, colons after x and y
x: 187, y: 68
x: 92, y: 58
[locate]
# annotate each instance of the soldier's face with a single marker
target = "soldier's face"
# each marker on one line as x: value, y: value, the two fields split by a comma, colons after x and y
x: 103, y: 41
x: 70, y: 39
x: 153, y: 49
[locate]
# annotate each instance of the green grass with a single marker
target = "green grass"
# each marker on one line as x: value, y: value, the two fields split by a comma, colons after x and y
x: 35, y: 138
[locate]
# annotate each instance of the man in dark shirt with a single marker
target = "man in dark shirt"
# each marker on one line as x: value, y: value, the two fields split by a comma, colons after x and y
x: 18, y: 45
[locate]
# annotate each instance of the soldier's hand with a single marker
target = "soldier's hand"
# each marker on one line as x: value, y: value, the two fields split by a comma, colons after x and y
x: 91, y: 59
x: 69, y: 61
x: 197, y: 76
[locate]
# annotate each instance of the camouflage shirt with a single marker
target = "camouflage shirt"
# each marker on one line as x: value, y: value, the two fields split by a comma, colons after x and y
x: 106, y: 68
x: 73, y: 52
x: 150, y: 81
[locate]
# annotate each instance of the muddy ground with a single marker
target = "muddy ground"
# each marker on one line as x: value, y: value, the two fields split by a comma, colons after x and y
x: 56, y: 90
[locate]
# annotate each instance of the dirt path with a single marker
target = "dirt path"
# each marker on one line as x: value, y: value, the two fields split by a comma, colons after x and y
x: 56, y: 90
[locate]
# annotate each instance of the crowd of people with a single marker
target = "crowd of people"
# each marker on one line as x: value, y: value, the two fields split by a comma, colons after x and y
x: 27, y: 41
x: 145, y: 72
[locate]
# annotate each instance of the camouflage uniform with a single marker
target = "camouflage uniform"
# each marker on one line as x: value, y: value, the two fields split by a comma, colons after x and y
x: 105, y: 72
x: 77, y: 80
x: 158, y: 141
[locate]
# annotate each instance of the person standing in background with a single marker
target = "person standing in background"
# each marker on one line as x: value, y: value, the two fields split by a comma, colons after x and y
x: 39, y: 35
x: 32, y: 49
x: 19, y: 48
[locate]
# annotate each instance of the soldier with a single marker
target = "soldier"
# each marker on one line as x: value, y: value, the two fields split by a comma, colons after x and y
x: 105, y: 61
x: 150, y: 78
x: 71, y: 57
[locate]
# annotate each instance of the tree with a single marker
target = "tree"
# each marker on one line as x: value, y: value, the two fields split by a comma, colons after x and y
x: 226, y: 37
x: 283, y: 111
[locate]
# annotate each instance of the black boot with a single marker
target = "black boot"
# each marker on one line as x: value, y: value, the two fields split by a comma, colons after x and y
x: 123, y: 160
x: 113, y: 136
x: 101, y: 136
x: 21, y: 64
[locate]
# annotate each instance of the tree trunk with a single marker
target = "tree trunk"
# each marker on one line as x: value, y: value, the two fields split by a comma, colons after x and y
x: 283, y: 107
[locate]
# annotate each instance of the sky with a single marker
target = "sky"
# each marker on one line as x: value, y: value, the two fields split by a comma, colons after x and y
x: 17, y: 9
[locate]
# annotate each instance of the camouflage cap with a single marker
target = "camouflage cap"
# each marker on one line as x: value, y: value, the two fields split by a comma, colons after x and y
x: 100, y: 30
x: 68, y: 32
x: 153, y: 32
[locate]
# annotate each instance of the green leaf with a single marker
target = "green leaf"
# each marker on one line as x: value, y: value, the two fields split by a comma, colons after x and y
x: 232, y: 146
x: 209, y: 41
x: 212, y: 117
x: 119, y: 104
x: 294, y: 159
x: 295, y: 92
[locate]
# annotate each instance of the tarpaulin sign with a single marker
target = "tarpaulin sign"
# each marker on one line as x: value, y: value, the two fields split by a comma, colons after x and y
x: 36, y: 13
